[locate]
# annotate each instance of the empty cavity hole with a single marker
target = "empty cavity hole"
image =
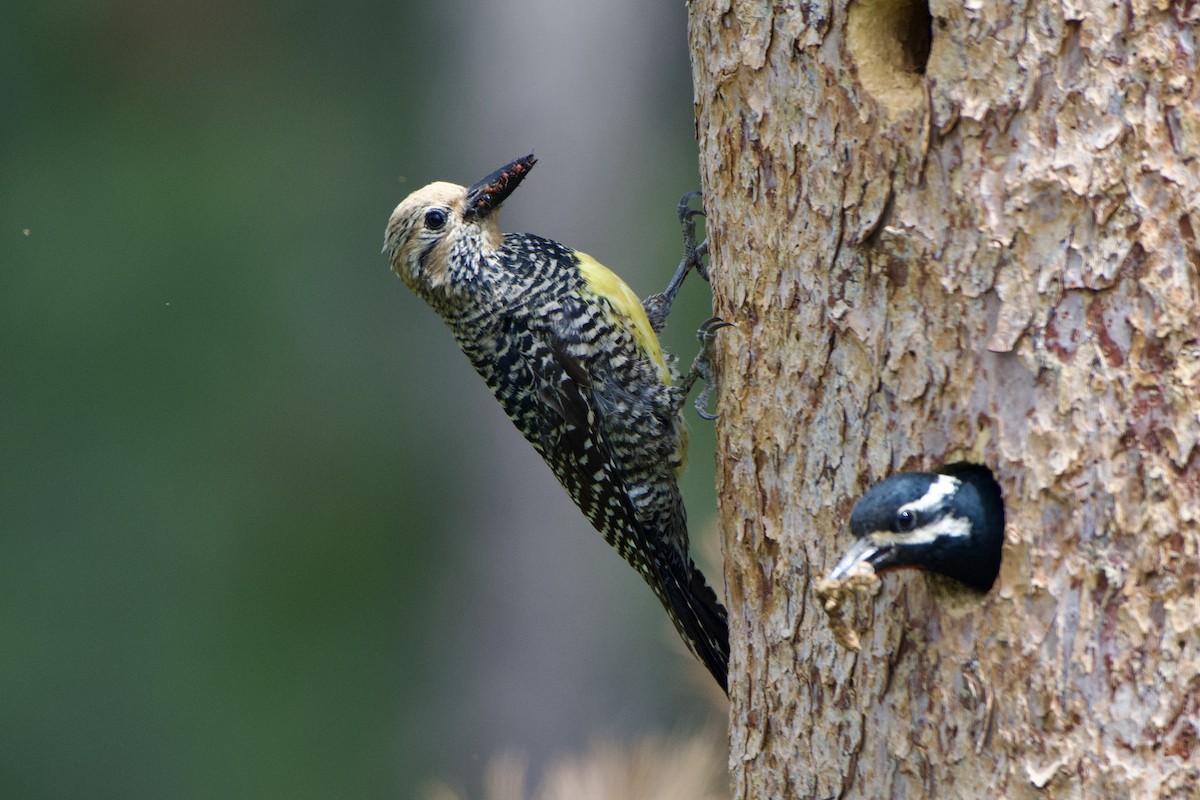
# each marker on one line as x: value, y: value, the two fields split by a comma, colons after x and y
x: 890, y: 41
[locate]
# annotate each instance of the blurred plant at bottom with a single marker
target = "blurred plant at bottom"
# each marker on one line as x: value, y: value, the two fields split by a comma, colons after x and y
x: 657, y: 768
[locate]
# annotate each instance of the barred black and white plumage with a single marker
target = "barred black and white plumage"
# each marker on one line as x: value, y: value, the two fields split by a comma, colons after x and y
x: 568, y: 350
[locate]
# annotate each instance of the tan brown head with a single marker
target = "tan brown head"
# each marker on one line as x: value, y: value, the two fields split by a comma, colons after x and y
x: 435, y: 236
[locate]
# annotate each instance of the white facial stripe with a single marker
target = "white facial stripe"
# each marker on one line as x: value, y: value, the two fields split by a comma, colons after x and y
x: 938, y: 491
x: 953, y: 527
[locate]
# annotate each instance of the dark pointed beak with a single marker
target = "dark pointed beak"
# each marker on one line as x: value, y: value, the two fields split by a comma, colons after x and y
x: 862, y: 551
x: 486, y: 195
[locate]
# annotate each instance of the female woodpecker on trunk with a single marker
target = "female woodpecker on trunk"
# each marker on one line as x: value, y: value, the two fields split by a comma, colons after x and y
x: 950, y: 522
x: 568, y: 350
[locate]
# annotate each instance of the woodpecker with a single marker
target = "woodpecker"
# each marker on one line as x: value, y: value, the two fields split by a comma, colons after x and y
x: 950, y: 522
x: 569, y: 351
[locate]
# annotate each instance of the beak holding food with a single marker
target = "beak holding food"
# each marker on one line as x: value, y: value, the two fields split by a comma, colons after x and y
x: 486, y: 195
x: 863, y: 551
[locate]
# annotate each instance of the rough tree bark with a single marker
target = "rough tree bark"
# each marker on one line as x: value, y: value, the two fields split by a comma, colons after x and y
x: 960, y: 231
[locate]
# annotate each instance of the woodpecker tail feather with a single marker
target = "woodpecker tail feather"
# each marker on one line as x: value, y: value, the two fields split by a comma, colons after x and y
x: 699, y: 617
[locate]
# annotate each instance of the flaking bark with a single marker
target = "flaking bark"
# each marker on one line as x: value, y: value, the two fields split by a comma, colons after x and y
x: 991, y: 257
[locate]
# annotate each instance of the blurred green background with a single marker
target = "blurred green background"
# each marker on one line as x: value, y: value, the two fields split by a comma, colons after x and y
x: 263, y: 532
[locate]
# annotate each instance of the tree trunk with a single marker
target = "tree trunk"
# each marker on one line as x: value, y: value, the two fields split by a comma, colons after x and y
x: 964, y: 236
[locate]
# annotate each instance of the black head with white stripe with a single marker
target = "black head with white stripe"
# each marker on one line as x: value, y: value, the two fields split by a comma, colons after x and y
x: 950, y: 522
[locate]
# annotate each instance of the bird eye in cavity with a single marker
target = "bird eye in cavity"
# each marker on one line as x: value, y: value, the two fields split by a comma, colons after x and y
x: 906, y: 520
x: 435, y: 219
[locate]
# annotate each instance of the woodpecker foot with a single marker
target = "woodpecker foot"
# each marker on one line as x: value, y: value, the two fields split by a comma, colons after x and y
x: 693, y: 253
x: 702, y: 367
x: 658, y: 306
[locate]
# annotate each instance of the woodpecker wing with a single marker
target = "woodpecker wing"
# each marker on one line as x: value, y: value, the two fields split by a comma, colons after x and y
x: 576, y: 446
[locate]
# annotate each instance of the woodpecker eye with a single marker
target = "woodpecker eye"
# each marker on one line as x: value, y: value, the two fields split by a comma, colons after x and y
x: 435, y: 219
x: 906, y: 520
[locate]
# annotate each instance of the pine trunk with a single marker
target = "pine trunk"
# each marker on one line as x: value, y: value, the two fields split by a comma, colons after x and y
x: 959, y: 235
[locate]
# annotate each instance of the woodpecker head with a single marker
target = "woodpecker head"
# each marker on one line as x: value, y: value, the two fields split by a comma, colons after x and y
x: 435, y: 235
x: 950, y: 522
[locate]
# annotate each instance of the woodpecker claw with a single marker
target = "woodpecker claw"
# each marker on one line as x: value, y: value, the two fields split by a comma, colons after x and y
x: 702, y: 367
x: 693, y: 254
x: 686, y: 212
x: 658, y: 306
